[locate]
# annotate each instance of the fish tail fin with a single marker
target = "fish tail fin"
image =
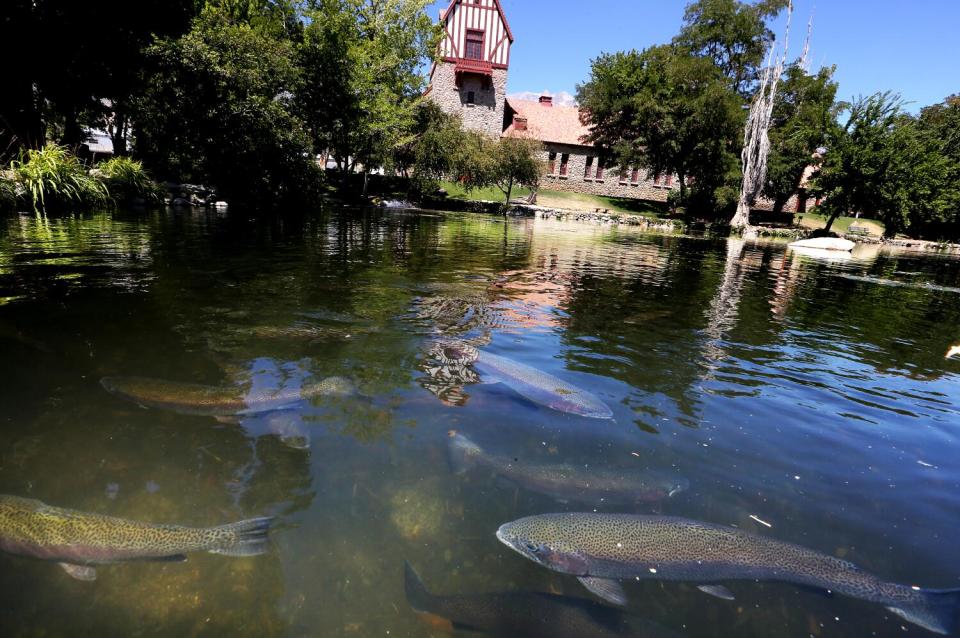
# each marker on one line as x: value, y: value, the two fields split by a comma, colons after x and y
x: 463, y: 453
x: 244, y: 538
x: 417, y: 595
x: 937, y: 610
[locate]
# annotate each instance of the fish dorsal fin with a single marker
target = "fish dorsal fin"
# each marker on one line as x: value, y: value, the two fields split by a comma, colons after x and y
x: 610, y: 590
x: 718, y: 591
x: 80, y: 572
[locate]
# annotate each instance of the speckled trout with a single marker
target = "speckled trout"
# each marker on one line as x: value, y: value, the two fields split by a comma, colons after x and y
x: 528, y: 614
x: 78, y: 540
x: 595, y: 485
x: 204, y: 400
x: 535, y: 385
x: 601, y: 549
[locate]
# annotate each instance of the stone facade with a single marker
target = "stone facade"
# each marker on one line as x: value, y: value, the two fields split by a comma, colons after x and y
x: 610, y: 184
x: 485, y: 113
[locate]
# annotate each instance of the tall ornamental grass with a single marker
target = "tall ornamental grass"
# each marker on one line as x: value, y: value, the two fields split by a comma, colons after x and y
x: 127, y: 181
x: 54, y: 179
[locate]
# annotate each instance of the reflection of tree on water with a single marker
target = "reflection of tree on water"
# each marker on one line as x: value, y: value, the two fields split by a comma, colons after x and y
x: 722, y: 314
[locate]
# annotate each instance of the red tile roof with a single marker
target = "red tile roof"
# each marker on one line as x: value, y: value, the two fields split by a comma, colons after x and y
x: 558, y: 124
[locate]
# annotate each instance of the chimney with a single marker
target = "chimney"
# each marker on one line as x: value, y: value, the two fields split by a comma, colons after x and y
x: 519, y: 123
x: 546, y: 100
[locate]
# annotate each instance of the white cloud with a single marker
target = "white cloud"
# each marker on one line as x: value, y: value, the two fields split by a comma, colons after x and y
x: 560, y: 99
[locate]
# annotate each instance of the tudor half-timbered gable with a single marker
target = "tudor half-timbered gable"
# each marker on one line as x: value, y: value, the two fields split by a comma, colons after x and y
x: 476, y: 31
x: 469, y: 78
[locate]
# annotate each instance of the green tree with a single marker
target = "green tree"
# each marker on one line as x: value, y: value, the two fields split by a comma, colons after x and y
x: 732, y: 34
x: 379, y: 49
x: 672, y: 113
x: 76, y: 63
x: 882, y: 164
x: 804, y: 116
x: 433, y: 148
x: 940, y: 124
x: 218, y: 110
x: 503, y: 163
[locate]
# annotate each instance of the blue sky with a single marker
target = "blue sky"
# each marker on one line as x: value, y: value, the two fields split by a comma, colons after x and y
x: 908, y: 46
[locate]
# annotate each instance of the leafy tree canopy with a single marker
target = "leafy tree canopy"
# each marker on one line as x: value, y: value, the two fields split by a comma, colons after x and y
x: 732, y: 34
x: 670, y: 112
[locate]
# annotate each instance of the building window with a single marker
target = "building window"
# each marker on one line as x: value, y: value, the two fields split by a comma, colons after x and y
x: 668, y: 182
x: 635, y: 176
x: 623, y: 176
x: 656, y: 179
x: 474, y: 48
x: 552, y: 163
x: 588, y: 169
x: 564, y: 162
x: 600, y: 168
x: 471, y: 97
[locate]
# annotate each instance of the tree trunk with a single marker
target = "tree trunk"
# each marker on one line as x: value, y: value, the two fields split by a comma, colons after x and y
x: 778, y: 205
x: 509, y: 191
x: 833, y: 217
x: 366, y: 181
x: 119, y: 133
x: 72, y: 133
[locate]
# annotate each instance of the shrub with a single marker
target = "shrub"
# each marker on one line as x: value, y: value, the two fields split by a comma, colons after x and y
x: 126, y: 180
x: 54, y: 179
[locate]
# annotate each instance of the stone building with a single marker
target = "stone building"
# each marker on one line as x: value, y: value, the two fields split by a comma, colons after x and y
x: 469, y: 79
x: 574, y: 164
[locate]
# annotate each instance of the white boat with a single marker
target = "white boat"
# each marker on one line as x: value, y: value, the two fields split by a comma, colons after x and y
x: 826, y: 243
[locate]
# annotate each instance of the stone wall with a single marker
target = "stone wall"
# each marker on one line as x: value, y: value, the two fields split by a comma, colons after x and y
x: 485, y: 115
x: 609, y: 185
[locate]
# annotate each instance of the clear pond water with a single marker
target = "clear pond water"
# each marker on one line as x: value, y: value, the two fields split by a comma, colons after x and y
x: 798, y: 401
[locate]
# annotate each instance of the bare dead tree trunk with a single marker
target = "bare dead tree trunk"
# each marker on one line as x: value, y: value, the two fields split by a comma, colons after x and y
x: 756, y: 139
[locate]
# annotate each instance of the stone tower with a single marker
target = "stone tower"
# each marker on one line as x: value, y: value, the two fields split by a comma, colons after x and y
x: 469, y: 78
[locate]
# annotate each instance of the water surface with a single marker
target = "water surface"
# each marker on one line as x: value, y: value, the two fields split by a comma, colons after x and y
x: 783, y: 389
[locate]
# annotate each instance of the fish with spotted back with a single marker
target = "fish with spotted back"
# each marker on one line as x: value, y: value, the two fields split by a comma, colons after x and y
x: 532, y: 384
x: 567, y: 482
x: 79, y: 541
x: 215, y: 401
x: 602, y: 549
x: 528, y: 614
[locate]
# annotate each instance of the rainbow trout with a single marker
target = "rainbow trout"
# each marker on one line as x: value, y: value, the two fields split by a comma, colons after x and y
x: 578, y: 483
x: 78, y: 540
x: 528, y: 614
x: 204, y: 400
x: 532, y: 384
x: 601, y: 549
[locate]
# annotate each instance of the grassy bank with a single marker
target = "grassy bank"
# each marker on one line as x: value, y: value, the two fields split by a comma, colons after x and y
x: 562, y: 199
x: 841, y: 224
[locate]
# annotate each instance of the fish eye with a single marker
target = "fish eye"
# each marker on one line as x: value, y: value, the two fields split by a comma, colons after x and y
x: 533, y: 548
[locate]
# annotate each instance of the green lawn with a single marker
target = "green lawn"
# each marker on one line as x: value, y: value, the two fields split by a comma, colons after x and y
x: 841, y: 224
x: 489, y: 194
x: 561, y: 199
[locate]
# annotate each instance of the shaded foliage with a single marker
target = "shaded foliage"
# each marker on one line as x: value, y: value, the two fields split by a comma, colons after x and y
x: 83, y: 67
x: 217, y: 110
